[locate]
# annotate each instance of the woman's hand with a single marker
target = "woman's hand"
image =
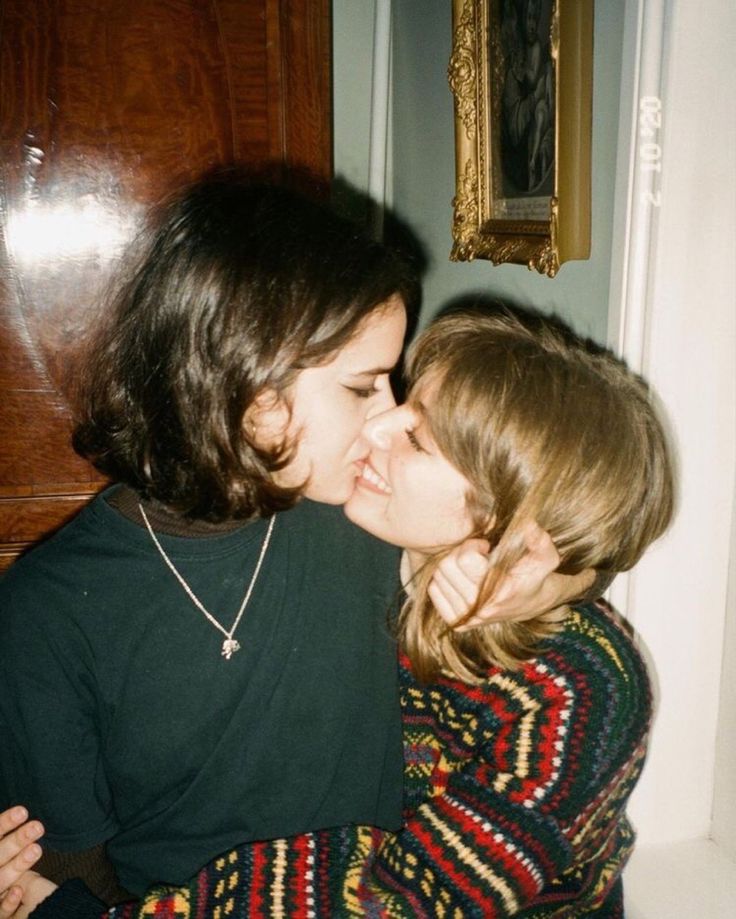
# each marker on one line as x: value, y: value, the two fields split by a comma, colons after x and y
x: 21, y: 890
x: 531, y: 588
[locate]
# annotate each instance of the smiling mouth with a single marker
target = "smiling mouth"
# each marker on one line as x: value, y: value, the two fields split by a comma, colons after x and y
x: 369, y: 476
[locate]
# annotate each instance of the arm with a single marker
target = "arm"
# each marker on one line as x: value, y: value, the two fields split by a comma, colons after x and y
x: 346, y: 872
x: 49, y: 713
x: 261, y: 880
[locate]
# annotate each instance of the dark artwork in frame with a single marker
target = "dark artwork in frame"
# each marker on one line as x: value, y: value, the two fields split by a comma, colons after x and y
x: 524, y: 102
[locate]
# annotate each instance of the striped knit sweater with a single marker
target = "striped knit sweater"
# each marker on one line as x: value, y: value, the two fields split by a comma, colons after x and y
x: 515, y: 797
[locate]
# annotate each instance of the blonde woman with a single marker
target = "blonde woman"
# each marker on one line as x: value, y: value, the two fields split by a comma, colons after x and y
x: 523, y: 740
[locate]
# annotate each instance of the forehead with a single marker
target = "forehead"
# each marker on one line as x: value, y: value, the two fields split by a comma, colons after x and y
x: 422, y: 400
x: 377, y: 343
x: 424, y: 391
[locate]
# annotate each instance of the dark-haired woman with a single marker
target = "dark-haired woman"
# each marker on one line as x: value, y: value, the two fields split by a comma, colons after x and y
x: 201, y: 658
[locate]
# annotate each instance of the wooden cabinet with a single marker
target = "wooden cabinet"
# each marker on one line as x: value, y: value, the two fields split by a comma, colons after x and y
x: 104, y: 107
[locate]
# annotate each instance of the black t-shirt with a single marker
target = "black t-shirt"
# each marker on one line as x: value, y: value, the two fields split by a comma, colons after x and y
x: 121, y: 721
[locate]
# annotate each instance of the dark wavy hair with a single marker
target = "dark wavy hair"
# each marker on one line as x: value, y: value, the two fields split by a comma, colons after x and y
x: 240, y: 285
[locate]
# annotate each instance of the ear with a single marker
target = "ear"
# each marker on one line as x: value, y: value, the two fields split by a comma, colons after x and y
x: 266, y: 420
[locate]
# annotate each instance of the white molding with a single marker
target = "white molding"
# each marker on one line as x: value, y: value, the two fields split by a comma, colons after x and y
x: 635, y: 220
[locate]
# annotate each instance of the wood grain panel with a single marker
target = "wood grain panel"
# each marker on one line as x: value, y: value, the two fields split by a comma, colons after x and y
x: 305, y: 84
x: 104, y: 107
x: 21, y: 519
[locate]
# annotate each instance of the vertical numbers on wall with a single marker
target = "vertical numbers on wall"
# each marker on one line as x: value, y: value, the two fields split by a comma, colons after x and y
x: 649, y: 154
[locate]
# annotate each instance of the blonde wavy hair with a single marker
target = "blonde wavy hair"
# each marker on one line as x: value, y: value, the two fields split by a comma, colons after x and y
x: 545, y: 428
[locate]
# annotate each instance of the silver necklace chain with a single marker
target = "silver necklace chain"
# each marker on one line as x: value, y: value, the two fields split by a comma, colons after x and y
x: 229, y: 645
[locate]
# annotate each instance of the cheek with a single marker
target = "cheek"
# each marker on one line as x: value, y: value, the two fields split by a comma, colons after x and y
x: 334, y: 437
x: 325, y: 460
x: 323, y: 432
x: 443, y: 508
x: 315, y: 455
x: 414, y: 501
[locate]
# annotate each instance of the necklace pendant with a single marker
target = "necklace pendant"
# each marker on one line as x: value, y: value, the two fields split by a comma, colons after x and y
x: 229, y: 647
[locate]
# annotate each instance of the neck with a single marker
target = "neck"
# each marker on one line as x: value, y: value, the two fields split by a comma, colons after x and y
x: 163, y: 520
x: 411, y: 562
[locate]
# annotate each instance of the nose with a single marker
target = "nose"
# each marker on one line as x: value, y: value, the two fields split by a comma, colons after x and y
x: 379, y: 429
x: 383, y: 402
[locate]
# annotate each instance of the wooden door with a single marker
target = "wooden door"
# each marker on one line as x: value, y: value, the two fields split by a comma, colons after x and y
x: 105, y: 105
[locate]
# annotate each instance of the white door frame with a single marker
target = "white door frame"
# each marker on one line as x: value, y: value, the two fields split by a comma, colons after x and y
x: 672, y: 308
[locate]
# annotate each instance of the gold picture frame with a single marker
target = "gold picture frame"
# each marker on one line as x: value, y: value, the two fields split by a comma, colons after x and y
x: 521, y: 73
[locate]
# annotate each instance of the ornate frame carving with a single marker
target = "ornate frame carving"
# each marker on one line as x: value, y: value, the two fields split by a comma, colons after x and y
x: 543, y: 220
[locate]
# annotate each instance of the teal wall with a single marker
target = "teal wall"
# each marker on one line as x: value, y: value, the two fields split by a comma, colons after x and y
x: 421, y: 157
x: 352, y: 30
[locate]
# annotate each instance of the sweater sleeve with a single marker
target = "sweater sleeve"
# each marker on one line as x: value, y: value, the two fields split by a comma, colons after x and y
x: 468, y: 849
x: 303, y: 876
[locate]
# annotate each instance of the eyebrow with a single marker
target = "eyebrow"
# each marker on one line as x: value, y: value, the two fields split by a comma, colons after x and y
x: 419, y: 407
x: 371, y: 372
x: 421, y: 410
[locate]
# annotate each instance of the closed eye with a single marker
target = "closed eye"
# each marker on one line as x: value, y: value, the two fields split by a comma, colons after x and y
x: 412, y: 437
x: 363, y: 392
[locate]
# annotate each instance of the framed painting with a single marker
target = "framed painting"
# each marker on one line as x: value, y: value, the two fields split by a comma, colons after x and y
x: 521, y: 76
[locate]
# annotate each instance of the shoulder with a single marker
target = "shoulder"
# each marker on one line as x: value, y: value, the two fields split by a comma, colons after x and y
x: 564, y: 725
x: 594, y: 681
x: 567, y: 728
x: 50, y: 580
x: 90, y: 524
x: 588, y: 687
x: 594, y: 657
x: 598, y: 643
x: 595, y: 660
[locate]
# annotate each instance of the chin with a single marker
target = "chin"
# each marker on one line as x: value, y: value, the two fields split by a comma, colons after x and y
x: 369, y: 523
x: 331, y: 495
x: 352, y: 511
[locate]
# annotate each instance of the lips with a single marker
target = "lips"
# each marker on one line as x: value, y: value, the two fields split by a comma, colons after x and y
x: 371, y: 480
